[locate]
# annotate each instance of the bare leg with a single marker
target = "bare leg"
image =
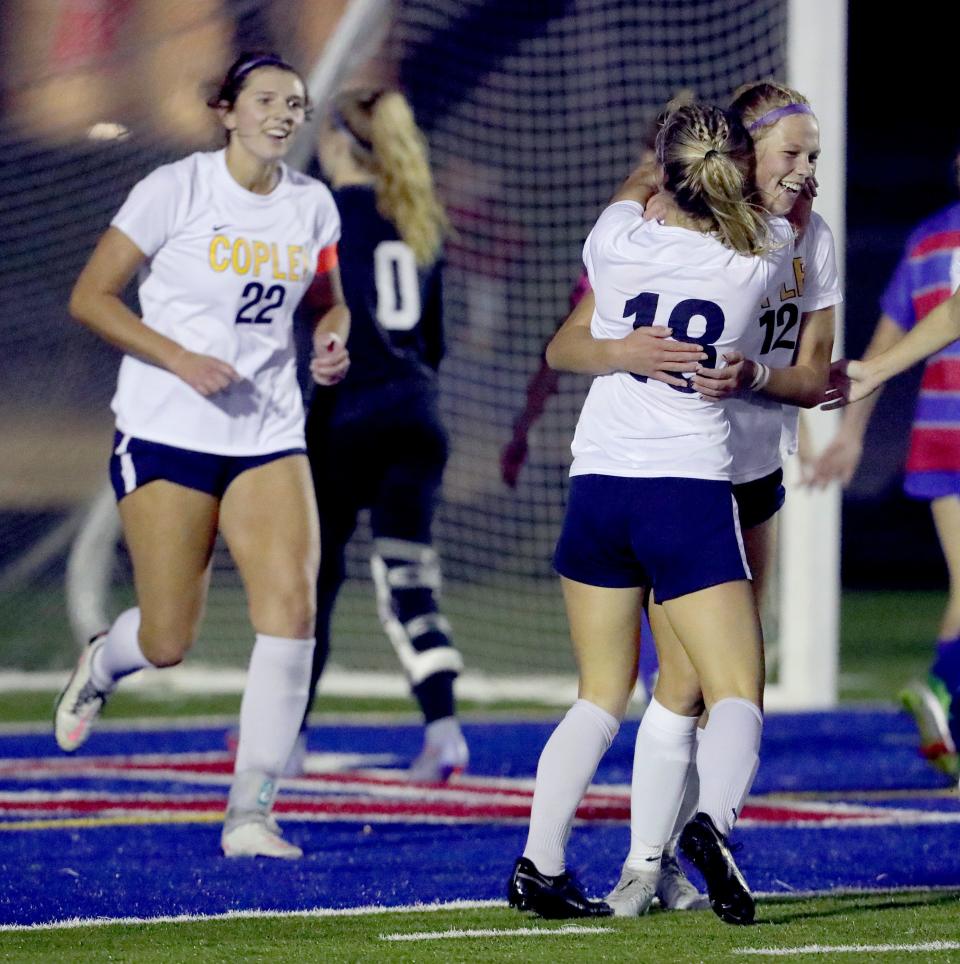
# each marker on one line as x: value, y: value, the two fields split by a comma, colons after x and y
x: 170, y: 531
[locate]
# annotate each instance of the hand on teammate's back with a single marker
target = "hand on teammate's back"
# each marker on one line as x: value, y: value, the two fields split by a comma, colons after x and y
x: 659, y: 207
x: 723, y: 382
x: 651, y: 352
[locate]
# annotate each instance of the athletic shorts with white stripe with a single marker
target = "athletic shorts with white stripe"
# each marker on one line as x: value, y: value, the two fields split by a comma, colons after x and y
x: 677, y: 535
x: 135, y: 462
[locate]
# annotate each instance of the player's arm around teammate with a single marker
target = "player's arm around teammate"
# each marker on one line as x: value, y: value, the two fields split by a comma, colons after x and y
x: 787, y: 147
x: 638, y: 483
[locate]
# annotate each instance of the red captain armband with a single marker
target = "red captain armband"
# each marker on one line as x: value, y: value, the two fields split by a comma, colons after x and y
x: 327, y: 259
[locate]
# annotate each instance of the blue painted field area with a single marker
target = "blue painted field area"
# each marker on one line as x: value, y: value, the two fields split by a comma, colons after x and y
x: 130, y: 826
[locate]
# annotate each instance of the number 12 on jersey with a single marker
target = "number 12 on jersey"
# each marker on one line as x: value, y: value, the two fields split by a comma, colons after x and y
x: 643, y: 310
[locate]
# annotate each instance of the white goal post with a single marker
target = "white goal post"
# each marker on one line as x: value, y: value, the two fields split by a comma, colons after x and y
x: 809, y: 577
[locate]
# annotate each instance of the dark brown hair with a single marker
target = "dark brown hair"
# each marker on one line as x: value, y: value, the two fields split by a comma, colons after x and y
x: 236, y: 77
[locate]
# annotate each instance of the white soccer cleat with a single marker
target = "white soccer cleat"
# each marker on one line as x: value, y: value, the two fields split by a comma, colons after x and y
x: 633, y: 893
x: 79, y: 703
x: 674, y: 890
x: 256, y: 838
x: 437, y: 764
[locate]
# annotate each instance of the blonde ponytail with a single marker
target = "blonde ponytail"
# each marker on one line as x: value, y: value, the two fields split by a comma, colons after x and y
x: 707, y: 157
x: 387, y: 142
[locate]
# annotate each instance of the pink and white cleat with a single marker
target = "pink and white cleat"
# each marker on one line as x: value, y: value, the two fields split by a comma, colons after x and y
x: 80, y: 702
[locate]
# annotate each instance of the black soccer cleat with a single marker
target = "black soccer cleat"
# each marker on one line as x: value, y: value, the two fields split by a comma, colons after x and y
x: 706, y: 848
x: 555, y: 898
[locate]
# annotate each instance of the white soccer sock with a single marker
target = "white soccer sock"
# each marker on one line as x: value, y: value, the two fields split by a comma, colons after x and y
x: 120, y: 655
x: 727, y: 759
x: 690, y: 802
x: 567, y: 765
x: 661, y: 760
x: 274, y: 699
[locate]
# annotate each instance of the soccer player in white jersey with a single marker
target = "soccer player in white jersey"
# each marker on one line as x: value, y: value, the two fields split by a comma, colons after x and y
x: 797, y: 321
x: 210, y: 431
x: 651, y: 504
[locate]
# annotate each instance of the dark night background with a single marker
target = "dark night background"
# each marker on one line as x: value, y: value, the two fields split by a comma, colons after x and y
x: 903, y: 132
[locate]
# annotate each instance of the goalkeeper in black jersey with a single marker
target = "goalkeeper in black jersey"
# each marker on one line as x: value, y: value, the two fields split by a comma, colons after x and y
x: 375, y: 440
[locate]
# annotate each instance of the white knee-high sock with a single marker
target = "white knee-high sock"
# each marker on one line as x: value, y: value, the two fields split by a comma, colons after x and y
x: 727, y: 759
x: 567, y: 765
x: 273, y: 702
x: 120, y: 655
x: 662, y: 756
x: 690, y: 802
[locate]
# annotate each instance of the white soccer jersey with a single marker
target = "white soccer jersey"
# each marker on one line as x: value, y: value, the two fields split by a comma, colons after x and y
x: 646, y: 273
x: 226, y: 268
x: 761, y: 428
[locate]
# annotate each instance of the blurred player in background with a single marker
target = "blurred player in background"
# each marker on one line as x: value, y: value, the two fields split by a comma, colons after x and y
x: 210, y: 427
x: 376, y: 441
x: 927, y: 275
x: 645, y: 453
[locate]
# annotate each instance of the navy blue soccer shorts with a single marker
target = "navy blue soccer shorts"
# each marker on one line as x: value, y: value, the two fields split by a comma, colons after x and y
x: 135, y: 462
x: 760, y: 499
x: 675, y: 535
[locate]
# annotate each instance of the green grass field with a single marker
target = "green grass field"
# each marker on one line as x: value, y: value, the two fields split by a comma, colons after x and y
x: 887, y: 927
x: 886, y: 638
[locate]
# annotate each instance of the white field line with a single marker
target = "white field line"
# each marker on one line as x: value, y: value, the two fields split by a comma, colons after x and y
x: 453, y: 905
x: 197, y: 678
x: 557, y: 689
x: 928, y: 947
x: 455, y: 934
x: 255, y: 914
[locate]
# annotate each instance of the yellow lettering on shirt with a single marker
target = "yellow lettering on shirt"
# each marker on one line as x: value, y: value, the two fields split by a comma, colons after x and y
x: 219, y: 259
x: 275, y: 254
x: 261, y: 255
x: 241, y: 256
x: 294, y: 251
x: 798, y: 275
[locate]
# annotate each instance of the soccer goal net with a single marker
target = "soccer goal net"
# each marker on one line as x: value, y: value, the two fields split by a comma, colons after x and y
x: 534, y: 113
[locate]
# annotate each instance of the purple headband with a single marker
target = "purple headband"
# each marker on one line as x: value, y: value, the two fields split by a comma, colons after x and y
x: 772, y: 116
